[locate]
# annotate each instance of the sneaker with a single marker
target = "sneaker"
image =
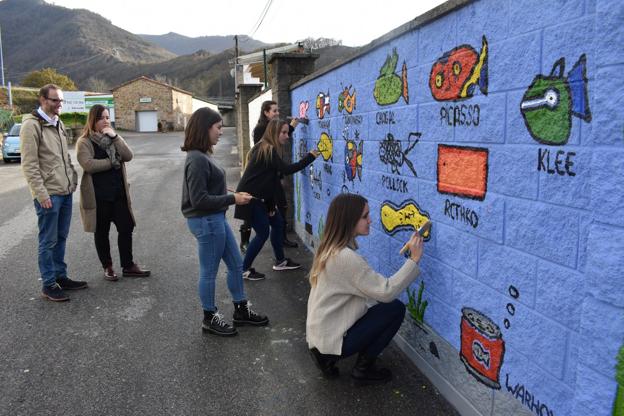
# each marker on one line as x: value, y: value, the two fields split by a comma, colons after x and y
x: 243, y: 315
x: 252, y: 274
x: 109, y: 274
x: 65, y: 283
x: 135, y: 271
x: 54, y: 293
x: 286, y: 264
x: 215, y: 324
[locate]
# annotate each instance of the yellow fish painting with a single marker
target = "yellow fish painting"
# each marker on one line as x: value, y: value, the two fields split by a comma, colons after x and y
x: 325, y: 145
x: 408, y: 215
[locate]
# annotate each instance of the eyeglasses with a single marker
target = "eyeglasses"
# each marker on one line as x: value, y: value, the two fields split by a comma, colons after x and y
x: 55, y: 100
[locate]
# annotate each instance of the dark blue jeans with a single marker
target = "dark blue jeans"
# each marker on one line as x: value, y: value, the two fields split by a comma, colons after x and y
x: 374, y: 331
x: 261, y: 222
x: 53, y: 230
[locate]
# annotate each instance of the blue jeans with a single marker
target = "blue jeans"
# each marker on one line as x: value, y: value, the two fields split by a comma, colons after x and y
x: 215, y: 241
x: 53, y: 230
x: 260, y: 222
x: 374, y: 331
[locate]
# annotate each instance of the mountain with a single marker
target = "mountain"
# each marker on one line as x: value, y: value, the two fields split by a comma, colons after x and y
x: 184, y: 45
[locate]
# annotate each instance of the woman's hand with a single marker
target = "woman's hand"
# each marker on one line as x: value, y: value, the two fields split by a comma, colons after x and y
x: 109, y: 132
x: 415, y: 247
x: 315, y: 153
x: 242, y: 198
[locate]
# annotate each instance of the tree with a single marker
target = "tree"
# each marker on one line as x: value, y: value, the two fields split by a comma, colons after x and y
x: 38, y: 79
x: 97, y: 85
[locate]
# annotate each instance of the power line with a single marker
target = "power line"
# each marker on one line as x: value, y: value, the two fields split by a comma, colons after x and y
x: 261, y: 18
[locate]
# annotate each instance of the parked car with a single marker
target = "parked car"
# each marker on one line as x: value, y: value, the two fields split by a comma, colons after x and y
x: 11, y: 145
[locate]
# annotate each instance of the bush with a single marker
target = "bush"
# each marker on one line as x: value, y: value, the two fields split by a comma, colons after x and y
x: 74, y: 120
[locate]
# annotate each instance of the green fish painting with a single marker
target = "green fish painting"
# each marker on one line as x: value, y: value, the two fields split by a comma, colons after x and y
x: 389, y: 87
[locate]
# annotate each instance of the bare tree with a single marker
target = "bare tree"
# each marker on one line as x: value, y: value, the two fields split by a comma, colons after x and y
x: 97, y: 85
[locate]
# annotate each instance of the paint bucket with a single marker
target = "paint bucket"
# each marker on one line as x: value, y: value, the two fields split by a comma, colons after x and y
x: 482, y: 347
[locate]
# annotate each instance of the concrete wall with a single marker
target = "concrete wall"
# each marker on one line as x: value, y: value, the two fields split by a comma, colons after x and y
x: 500, y: 122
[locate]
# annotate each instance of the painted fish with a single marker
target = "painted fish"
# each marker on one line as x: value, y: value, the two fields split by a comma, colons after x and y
x: 406, y: 216
x: 389, y: 87
x: 322, y: 104
x: 325, y: 145
x: 346, y: 101
x: 457, y: 74
x: 353, y: 159
x: 550, y: 102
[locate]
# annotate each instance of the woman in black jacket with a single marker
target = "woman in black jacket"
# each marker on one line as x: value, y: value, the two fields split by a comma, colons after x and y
x: 262, y: 180
x: 268, y: 112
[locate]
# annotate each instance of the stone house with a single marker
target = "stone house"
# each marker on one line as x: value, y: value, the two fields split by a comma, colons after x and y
x: 147, y: 105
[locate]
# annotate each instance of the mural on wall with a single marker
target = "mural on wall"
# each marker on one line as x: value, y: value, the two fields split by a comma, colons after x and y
x: 320, y: 227
x: 353, y: 158
x: 322, y: 104
x: 463, y: 171
x: 325, y: 146
x: 407, y: 215
x: 511, y: 308
x: 550, y: 102
x: 303, y: 109
x: 308, y: 223
x: 346, y: 100
x: 458, y: 73
x: 482, y: 347
x: 618, y: 406
x: 316, y: 181
x: 391, y: 152
x: 389, y: 86
x: 298, y: 191
x: 415, y: 304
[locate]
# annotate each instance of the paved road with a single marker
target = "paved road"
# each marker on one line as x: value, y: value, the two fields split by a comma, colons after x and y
x: 134, y: 347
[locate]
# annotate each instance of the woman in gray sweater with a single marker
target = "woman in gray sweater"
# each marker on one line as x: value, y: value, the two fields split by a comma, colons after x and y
x: 204, y: 203
x: 339, y: 322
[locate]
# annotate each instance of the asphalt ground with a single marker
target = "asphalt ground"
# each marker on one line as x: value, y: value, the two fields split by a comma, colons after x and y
x: 135, y: 347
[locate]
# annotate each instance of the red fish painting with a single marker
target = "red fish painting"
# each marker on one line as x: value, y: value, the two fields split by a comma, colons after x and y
x: 459, y: 72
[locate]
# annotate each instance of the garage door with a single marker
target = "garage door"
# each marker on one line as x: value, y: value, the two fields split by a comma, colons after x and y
x: 147, y: 121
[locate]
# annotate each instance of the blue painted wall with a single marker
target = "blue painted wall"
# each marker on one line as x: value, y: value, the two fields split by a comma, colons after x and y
x: 526, y: 197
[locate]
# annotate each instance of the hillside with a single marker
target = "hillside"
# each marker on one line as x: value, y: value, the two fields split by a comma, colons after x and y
x: 184, y: 45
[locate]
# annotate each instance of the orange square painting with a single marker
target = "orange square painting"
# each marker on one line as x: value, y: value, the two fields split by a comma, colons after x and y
x: 462, y: 171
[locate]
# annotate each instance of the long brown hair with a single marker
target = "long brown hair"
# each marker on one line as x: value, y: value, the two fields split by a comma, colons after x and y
x: 263, y: 150
x: 94, y: 116
x: 343, y: 215
x: 197, y: 131
x: 266, y: 106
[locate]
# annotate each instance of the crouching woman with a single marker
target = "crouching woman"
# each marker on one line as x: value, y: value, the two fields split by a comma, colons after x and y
x: 339, y: 322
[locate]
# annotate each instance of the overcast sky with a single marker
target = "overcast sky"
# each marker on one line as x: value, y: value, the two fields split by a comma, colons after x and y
x: 355, y: 22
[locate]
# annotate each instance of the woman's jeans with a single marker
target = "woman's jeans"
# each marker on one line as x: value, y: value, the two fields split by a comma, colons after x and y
x: 53, y: 230
x: 260, y: 222
x: 215, y: 241
x: 374, y: 331
x: 119, y: 213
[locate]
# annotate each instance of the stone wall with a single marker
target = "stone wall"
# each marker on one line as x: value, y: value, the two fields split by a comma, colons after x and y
x: 498, y: 121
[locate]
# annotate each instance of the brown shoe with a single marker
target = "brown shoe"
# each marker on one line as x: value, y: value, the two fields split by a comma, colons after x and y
x: 135, y: 271
x: 109, y: 274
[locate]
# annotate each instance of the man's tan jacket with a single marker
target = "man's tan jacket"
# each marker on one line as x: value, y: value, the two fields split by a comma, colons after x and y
x: 46, y: 162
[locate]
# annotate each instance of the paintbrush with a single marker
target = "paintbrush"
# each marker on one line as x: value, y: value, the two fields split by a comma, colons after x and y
x: 252, y: 197
x: 422, y: 230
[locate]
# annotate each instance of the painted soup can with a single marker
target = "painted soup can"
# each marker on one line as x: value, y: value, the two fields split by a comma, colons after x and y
x: 482, y: 347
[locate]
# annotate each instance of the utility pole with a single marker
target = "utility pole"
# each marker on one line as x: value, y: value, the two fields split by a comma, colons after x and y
x: 235, y: 63
x: 1, y: 58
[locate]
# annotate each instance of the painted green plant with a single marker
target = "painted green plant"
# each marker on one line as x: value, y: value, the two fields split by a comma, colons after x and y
x: 298, y: 190
x: 415, y: 304
x: 321, y: 227
x: 618, y: 406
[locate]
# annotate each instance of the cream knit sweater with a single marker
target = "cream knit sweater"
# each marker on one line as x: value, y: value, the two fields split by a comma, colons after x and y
x: 341, y: 294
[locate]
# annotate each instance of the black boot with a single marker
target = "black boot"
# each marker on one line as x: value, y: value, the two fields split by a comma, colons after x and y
x: 214, y: 323
x: 245, y: 232
x: 243, y: 315
x: 287, y: 242
x: 326, y: 363
x: 365, y: 372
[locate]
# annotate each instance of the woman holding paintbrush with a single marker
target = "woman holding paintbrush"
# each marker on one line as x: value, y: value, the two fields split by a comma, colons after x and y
x: 204, y: 202
x: 262, y: 179
x: 339, y: 322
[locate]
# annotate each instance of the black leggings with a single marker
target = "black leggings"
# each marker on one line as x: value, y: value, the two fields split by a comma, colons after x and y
x: 117, y: 212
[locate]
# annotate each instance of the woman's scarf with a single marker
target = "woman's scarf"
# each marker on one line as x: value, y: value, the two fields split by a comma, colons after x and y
x: 106, y: 143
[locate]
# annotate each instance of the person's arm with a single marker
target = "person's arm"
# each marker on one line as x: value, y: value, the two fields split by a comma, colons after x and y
x: 29, y: 148
x: 122, y: 148
x: 258, y: 131
x: 286, y: 169
x: 85, y: 156
x: 374, y: 285
x: 197, y: 175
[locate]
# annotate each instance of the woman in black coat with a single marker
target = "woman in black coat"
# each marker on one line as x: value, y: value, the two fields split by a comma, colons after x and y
x: 262, y: 180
